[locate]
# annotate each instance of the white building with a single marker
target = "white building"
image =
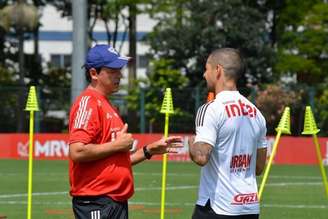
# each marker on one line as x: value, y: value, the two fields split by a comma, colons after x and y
x: 55, y: 39
x: 55, y: 44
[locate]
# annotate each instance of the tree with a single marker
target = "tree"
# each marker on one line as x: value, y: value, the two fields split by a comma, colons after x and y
x: 8, y: 99
x: 273, y: 107
x: 303, y: 43
x: 19, y: 18
x: 302, y: 46
x: 162, y: 75
x: 190, y: 30
x: 100, y: 10
x: 321, y: 111
x: 33, y: 74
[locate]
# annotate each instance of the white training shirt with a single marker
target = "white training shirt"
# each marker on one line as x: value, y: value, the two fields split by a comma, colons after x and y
x: 236, y: 129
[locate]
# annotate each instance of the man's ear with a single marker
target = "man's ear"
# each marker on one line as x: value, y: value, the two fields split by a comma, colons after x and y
x: 218, y: 71
x: 93, y: 73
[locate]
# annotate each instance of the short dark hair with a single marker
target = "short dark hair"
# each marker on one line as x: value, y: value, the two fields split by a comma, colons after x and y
x: 87, y: 73
x: 231, y: 61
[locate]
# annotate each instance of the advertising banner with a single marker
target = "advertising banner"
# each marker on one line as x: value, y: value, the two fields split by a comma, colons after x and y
x: 291, y: 150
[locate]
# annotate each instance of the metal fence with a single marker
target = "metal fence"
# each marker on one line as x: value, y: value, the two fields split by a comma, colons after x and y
x: 54, y: 103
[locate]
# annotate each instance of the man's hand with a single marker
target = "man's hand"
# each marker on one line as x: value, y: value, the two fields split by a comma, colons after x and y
x: 124, y: 140
x: 80, y: 152
x: 165, y: 145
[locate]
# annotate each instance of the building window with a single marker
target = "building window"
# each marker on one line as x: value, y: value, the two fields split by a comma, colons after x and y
x: 60, y: 60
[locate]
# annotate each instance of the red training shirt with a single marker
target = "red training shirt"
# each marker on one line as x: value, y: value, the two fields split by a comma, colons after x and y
x: 94, y: 120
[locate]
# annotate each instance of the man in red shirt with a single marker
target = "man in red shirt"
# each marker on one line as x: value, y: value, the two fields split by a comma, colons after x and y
x: 100, y: 162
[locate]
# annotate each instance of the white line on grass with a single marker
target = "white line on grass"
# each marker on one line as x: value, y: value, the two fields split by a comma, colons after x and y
x: 295, y: 206
x: 292, y: 177
x: 35, y: 174
x: 168, y: 204
x: 66, y: 193
x: 167, y: 188
x: 34, y: 203
x: 262, y: 205
x: 160, y: 174
x: 168, y: 174
x: 33, y: 194
x: 281, y: 184
x: 194, y: 174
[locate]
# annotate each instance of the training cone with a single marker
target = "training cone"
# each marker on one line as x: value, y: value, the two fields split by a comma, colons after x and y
x: 284, y: 124
x: 210, y: 96
x: 310, y: 127
x: 167, y: 105
x: 32, y: 101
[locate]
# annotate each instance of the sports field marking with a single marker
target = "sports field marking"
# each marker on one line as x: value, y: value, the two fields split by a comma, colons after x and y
x: 281, y: 184
x: 37, y: 174
x: 167, y: 188
x: 34, y: 194
x: 194, y: 174
x: 35, y: 203
x: 292, y: 206
x: 295, y: 206
x: 66, y: 193
x: 160, y: 174
x: 262, y: 205
x: 292, y: 177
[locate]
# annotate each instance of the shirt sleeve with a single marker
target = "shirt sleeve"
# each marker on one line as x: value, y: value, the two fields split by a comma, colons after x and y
x: 263, y: 143
x: 85, y: 121
x: 206, y: 124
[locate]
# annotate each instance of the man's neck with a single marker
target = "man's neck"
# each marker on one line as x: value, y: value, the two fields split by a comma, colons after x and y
x: 97, y: 89
x: 227, y: 86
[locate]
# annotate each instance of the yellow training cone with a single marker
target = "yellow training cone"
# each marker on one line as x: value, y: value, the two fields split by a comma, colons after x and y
x: 167, y: 108
x: 32, y: 101
x: 310, y: 128
x: 283, y: 128
x: 31, y: 105
x: 167, y: 105
x: 284, y: 124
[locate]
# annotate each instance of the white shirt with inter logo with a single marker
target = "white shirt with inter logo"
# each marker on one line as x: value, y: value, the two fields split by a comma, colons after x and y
x: 236, y: 129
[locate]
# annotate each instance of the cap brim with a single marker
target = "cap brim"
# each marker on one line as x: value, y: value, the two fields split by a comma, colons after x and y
x: 118, y: 63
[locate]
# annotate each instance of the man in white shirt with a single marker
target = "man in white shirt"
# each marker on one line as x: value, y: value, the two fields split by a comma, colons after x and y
x: 230, y: 143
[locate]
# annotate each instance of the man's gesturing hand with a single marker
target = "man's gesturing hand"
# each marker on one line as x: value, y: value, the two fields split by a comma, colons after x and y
x: 165, y: 145
x: 124, y: 140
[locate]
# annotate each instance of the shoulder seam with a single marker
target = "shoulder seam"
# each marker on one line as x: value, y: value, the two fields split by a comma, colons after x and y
x: 201, y: 114
x: 81, y: 112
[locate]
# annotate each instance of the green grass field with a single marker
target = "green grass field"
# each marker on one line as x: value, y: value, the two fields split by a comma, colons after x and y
x: 292, y: 191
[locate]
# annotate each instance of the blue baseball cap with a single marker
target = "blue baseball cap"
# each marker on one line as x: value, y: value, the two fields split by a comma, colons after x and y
x: 104, y: 56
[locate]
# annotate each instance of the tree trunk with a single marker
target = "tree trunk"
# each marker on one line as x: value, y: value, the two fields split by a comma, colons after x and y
x: 21, y: 93
x: 132, y: 44
x: 36, y: 74
x: 2, y: 41
x: 115, y: 29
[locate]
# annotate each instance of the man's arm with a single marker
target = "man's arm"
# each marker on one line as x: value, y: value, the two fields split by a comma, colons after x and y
x: 260, y: 160
x: 162, y: 146
x: 199, y: 152
x: 80, y: 152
